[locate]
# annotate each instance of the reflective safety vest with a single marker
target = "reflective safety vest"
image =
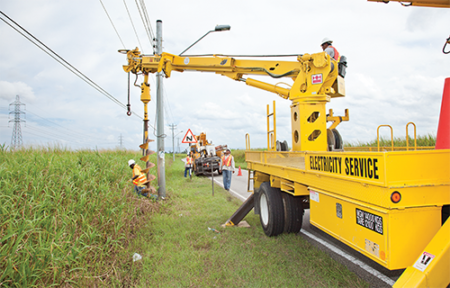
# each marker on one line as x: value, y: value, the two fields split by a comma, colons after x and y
x: 337, y: 57
x: 188, y: 160
x: 139, y: 181
x: 226, y: 161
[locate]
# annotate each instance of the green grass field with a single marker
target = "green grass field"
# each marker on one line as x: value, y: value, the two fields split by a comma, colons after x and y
x: 71, y: 219
x: 65, y: 216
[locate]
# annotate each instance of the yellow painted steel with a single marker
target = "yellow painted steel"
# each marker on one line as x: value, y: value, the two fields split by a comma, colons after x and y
x: 315, y: 77
x: 308, y: 124
x: 383, y: 235
x: 432, y: 267
x: 407, y: 136
x: 392, y: 136
x: 336, y: 120
x: 271, y: 133
x: 365, y: 182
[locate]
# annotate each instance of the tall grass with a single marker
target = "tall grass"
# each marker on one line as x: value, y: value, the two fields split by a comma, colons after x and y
x: 64, y: 215
x: 428, y: 140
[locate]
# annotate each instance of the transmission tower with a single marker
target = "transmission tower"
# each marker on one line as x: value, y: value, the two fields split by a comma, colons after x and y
x: 16, y: 139
x: 121, y: 140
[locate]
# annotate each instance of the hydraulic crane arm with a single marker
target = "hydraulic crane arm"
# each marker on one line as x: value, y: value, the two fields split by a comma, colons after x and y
x: 313, y: 74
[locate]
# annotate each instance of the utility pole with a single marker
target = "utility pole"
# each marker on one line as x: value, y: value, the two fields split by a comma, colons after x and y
x: 160, y: 117
x: 178, y: 143
x: 16, y: 139
x: 173, y: 126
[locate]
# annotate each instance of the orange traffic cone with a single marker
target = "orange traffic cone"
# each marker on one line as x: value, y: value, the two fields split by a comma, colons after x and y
x: 240, y: 171
x: 443, y: 132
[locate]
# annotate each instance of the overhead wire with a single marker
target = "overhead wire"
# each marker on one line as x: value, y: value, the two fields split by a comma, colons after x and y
x: 74, y: 133
x: 149, y: 25
x: 148, y: 31
x: 132, y: 24
x: 104, y: 8
x: 63, y: 62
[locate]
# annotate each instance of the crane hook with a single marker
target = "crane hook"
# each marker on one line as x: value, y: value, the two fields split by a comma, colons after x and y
x: 445, y: 45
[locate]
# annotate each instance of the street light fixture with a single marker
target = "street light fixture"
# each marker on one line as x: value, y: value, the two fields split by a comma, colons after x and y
x: 217, y: 29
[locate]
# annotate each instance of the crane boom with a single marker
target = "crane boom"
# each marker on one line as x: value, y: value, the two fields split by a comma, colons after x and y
x: 313, y: 74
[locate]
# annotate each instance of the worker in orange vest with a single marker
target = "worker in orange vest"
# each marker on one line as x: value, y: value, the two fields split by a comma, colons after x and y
x: 227, y: 168
x: 187, y: 164
x: 139, y: 179
x: 331, y: 50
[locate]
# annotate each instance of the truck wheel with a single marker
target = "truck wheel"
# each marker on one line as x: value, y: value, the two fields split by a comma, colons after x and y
x: 293, y: 213
x: 271, y: 212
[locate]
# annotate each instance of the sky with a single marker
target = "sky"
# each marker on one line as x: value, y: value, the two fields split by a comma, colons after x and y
x: 395, y: 75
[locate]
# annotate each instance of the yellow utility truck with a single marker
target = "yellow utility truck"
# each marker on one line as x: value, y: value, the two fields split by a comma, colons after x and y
x: 391, y: 206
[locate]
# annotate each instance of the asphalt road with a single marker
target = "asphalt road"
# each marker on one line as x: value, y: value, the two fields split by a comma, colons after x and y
x: 370, y: 271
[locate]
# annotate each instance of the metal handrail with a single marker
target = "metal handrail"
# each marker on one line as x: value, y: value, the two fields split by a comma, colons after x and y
x: 407, y: 139
x: 378, y: 136
x: 247, y: 141
x: 271, y: 134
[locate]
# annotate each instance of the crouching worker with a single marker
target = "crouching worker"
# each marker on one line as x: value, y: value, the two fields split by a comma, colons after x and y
x: 139, y: 179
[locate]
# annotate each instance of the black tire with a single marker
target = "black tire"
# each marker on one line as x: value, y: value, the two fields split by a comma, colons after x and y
x: 271, y: 210
x: 293, y: 213
x: 331, y: 140
x: 339, y: 144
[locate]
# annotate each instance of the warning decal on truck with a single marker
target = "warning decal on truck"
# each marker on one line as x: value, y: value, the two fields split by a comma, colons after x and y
x: 423, y: 261
x: 369, y: 220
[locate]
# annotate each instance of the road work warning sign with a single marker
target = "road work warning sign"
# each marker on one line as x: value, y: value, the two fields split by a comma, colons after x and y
x: 189, y: 137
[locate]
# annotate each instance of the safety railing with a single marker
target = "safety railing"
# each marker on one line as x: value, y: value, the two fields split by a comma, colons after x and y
x: 247, y: 141
x: 407, y: 139
x: 271, y: 134
x: 378, y: 136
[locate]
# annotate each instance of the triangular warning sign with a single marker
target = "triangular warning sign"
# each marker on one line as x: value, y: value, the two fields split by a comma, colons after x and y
x: 189, y: 137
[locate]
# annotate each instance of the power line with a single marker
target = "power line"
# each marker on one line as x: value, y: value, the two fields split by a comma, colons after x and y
x: 146, y: 23
x: 104, y: 8
x: 65, y: 129
x: 132, y: 24
x: 63, y: 62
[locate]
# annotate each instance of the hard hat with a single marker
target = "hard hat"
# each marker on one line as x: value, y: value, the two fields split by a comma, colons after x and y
x: 187, y: 154
x: 326, y: 40
x: 131, y: 162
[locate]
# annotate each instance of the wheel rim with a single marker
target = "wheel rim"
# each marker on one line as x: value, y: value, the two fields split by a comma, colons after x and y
x: 264, y: 209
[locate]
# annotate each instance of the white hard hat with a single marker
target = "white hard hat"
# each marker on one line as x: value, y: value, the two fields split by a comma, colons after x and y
x: 130, y: 162
x: 326, y: 40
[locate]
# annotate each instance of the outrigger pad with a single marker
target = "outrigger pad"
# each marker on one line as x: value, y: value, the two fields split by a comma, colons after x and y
x: 241, y: 212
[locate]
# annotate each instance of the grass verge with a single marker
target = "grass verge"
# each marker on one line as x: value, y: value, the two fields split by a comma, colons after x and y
x: 179, y: 250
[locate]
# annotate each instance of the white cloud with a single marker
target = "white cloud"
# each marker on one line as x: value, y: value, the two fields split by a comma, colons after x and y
x: 9, y: 91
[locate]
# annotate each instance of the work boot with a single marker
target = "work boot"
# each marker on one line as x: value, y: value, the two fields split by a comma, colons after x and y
x: 146, y: 190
